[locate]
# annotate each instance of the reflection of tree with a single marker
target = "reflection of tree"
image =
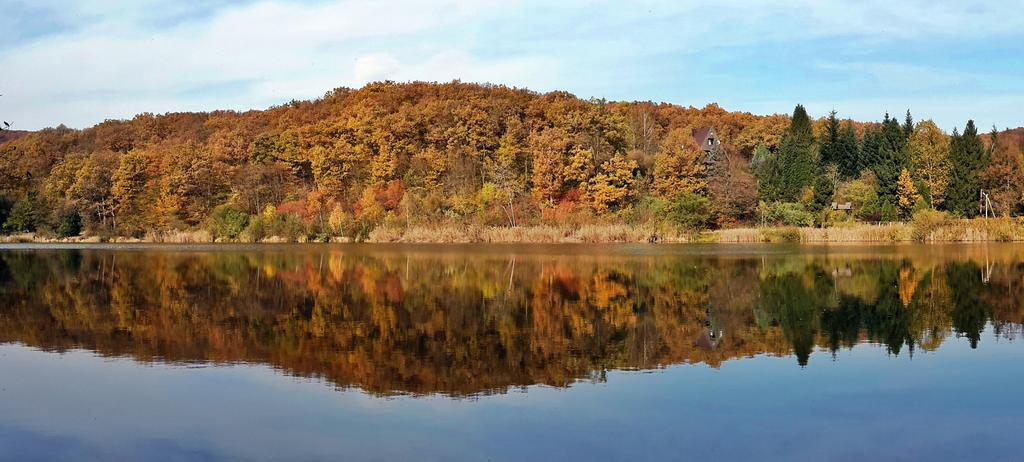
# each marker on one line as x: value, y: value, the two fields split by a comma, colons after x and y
x: 969, y: 312
x: 461, y: 324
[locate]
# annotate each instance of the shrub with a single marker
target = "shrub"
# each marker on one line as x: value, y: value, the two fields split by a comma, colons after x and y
x: 786, y: 214
x: 690, y: 211
x: 787, y: 234
x: 5, y: 209
x: 69, y: 224
x: 227, y: 222
x: 925, y: 222
x: 22, y: 218
x: 889, y: 212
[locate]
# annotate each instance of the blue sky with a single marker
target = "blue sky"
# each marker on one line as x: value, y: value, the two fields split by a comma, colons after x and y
x: 80, y: 62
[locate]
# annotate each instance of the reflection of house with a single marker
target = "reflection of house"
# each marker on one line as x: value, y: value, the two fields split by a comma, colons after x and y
x: 712, y: 334
x: 708, y: 141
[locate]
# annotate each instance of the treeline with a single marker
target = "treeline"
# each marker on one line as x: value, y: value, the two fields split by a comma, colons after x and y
x: 426, y: 154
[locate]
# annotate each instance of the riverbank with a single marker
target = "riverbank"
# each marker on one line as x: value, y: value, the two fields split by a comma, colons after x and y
x: 937, y: 231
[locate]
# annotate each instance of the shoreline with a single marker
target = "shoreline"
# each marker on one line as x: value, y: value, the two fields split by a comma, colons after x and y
x: 978, y: 230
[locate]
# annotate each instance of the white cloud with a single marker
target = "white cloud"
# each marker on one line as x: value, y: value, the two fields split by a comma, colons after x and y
x: 117, y: 58
x: 375, y: 67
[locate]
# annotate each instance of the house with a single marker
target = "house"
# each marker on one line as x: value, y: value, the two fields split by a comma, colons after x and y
x: 845, y: 207
x: 707, y: 139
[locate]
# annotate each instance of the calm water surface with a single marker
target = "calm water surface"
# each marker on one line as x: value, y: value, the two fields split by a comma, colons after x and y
x: 511, y: 353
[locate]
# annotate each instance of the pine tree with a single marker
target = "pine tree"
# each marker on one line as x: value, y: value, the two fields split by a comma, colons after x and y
x: 890, y: 158
x: 848, y: 156
x: 869, y: 147
x: 797, y: 157
x: 967, y: 159
x: 908, y: 125
x: 830, y: 143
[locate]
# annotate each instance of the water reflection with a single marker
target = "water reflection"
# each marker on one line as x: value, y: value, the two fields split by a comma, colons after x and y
x: 417, y: 320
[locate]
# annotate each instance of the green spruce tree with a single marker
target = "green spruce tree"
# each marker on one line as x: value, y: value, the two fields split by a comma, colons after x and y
x: 830, y: 142
x: 967, y: 159
x: 848, y: 156
x: 797, y: 158
x: 908, y: 125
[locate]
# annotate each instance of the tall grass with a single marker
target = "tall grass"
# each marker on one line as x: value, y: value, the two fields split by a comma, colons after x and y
x: 929, y: 228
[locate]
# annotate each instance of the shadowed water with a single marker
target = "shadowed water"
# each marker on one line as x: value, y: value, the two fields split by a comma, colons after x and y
x: 509, y: 353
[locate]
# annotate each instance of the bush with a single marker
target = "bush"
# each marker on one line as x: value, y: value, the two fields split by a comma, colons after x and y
x: 925, y: 222
x: 5, y: 209
x: 22, y: 218
x: 787, y: 234
x: 786, y: 214
x: 227, y: 222
x: 69, y: 224
x: 889, y: 212
x: 690, y: 211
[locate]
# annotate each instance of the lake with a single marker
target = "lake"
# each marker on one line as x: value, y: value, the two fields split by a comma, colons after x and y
x: 572, y: 352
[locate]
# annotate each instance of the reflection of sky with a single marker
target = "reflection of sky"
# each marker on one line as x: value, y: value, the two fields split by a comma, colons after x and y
x: 955, y: 403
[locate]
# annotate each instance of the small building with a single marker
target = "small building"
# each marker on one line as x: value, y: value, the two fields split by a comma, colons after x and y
x: 707, y: 139
x: 844, y: 207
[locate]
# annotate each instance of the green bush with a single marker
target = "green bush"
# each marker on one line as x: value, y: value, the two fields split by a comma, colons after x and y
x: 786, y: 214
x: 22, y: 218
x: 787, y: 234
x: 5, y: 209
x: 227, y: 222
x: 69, y: 224
x: 271, y: 224
x: 889, y: 212
x: 690, y: 211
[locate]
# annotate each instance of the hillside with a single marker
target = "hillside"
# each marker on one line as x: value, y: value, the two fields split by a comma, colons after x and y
x: 11, y: 135
x: 393, y: 156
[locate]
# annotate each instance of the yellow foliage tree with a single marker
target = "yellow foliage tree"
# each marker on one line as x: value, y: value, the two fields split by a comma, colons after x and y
x: 609, y: 189
x: 929, y: 159
x: 907, y: 197
x: 679, y: 165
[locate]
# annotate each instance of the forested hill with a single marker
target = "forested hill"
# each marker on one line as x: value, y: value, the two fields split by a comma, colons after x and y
x: 425, y: 154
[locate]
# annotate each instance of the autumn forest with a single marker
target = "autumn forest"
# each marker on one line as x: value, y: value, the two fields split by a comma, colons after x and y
x: 390, y: 157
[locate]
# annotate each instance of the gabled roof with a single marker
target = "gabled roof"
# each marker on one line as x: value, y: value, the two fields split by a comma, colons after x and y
x: 700, y: 135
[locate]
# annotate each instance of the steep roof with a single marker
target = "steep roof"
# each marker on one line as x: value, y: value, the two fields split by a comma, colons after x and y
x: 700, y: 135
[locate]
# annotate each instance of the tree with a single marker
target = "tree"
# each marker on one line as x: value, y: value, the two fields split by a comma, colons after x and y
x: 69, y: 224
x: 90, y: 191
x: 549, y: 149
x: 1003, y: 179
x: 608, y: 189
x: 127, y: 188
x: 679, y: 165
x: 831, y: 141
x: 890, y: 158
x: 928, y: 148
x: 967, y: 160
x: 908, y: 125
x: 847, y: 153
x: 690, y: 211
x: 23, y: 217
x: 907, y: 197
x: 793, y: 168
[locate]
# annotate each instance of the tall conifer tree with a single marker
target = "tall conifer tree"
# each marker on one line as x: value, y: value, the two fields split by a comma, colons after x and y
x: 848, y: 156
x: 967, y: 159
x: 797, y: 157
x: 830, y: 143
